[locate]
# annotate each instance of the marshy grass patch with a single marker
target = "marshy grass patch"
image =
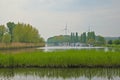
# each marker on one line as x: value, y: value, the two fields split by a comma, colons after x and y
x: 65, y: 58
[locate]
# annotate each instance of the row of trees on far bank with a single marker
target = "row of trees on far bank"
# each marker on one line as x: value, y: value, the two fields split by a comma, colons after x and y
x: 116, y: 42
x: 92, y: 38
x: 85, y: 38
x: 88, y: 38
x: 19, y: 32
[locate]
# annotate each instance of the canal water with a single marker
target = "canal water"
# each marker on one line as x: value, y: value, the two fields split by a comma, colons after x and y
x: 60, y: 74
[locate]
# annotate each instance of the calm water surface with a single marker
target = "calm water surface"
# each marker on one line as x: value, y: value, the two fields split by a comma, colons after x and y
x: 58, y: 48
x: 60, y: 74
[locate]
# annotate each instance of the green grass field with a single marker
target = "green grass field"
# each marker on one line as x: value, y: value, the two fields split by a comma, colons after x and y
x: 62, y: 59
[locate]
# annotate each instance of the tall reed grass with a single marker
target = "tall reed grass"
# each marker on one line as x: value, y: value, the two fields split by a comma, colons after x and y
x: 67, y: 58
x: 18, y: 45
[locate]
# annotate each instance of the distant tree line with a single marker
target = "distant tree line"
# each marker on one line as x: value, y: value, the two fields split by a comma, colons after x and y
x: 19, y: 32
x: 58, y: 39
x: 74, y: 38
x: 85, y: 38
x: 89, y: 38
x: 116, y: 42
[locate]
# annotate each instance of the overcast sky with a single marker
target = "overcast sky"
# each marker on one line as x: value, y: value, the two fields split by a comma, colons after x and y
x: 51, y: 16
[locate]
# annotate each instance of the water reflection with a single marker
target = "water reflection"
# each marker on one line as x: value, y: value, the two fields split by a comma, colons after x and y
x: 60, y: 74
x: 112, y: 49
x: 59, y: 48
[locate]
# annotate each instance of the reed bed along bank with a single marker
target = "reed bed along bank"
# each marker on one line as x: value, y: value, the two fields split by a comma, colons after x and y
x: 18, y: 45
x: 61, y: 59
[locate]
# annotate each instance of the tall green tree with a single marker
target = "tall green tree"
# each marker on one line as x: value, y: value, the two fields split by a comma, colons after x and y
x: 91, y: 38
x: 91, y: 35
x: 77, y: 37
x: 11, y: 26
x: 83, y: 37
x: 100, y: 40
x: 2, y: 32
x: 71, y: 37
x: 117, y: 42
x: 110, y: 42
x: 6, y: 38
x: 26, y: 33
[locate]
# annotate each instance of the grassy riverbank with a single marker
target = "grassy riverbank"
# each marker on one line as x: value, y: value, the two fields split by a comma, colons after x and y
x: 68, y: 58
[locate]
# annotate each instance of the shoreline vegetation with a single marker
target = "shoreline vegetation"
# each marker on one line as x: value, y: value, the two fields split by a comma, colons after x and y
x: 61, y: 59
x: 20, y: 35
x: 18, y: 45
x: 113, y: 46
